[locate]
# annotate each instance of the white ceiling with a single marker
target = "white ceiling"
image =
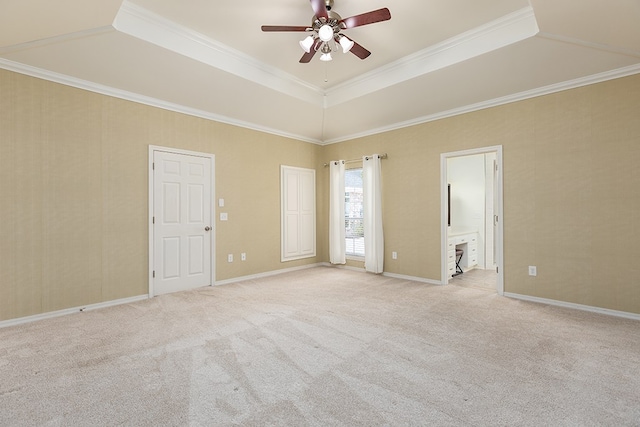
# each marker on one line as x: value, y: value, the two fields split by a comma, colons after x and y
x: 433, y: 59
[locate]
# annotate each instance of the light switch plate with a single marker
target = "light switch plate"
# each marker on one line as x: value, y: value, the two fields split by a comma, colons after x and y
x: 221, y: 203
x: 223, y: 216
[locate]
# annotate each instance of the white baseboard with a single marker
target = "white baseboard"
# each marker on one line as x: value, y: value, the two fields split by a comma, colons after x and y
x: 394, y: 275
x: 266, y: 274
x: 58, y: 313
x: 37, y: 317
x: 343, y: 267
x: 66, y: 311
x: 582, y: 307
x: 413, y: 278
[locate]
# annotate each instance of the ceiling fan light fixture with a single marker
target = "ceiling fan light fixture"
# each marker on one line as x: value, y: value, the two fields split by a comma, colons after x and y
x: 325, y: 33
x: 346, y: 44
x: 306, y: 44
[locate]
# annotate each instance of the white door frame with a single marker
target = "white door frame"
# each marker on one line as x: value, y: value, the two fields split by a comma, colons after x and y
x: 152, y: 150
x: 443, y: 208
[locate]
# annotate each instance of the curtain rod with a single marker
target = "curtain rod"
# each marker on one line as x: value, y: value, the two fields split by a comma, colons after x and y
x: 382, y: 156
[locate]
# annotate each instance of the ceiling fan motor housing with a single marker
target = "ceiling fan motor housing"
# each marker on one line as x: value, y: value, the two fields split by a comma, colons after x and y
x: 333, y: 21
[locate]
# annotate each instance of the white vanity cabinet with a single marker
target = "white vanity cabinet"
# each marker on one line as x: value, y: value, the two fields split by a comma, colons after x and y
x: 468, y: 242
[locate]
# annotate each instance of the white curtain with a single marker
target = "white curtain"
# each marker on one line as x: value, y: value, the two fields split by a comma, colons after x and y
x: 372, y: 194
x: 337, y: 243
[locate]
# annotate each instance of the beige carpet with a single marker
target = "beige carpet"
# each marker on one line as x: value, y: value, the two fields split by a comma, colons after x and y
x: 477, y: 278
x: 323, y: 347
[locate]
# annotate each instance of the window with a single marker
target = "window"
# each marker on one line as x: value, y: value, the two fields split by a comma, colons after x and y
x: 353, y: 212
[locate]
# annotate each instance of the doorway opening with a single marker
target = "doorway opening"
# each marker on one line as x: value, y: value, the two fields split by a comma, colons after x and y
x: 471, y: 216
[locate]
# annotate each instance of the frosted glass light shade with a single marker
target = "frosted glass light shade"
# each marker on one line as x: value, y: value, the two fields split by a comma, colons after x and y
x: 326, y: 57
x: 306, y: 44
x: 346, y: 44
x: 325, y: 33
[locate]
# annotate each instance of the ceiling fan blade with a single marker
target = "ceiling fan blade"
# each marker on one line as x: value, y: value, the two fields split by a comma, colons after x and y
x: 307, y: 57
x: 367, y: 18
x: 268, y: 28
x: 359, y: 51
x: 320, y: 8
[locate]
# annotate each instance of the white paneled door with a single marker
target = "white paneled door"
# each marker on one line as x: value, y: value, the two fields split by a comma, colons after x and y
x: 182, y: 222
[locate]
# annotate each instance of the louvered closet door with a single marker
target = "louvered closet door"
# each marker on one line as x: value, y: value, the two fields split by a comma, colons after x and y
x: 182, y: 222
x: 298, y: 213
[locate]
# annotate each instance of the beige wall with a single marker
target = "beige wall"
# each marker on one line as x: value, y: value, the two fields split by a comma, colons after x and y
x: 73, y: 180
x: 74, y: 186
x: 571, y: 191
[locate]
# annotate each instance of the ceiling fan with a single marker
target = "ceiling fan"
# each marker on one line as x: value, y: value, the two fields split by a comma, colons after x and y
x: 325, y: 31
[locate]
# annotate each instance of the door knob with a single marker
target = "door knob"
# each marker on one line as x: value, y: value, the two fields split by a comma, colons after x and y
x: 207, y: 228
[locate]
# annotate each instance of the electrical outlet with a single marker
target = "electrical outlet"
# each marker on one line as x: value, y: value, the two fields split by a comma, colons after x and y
x: 243, y: 256
x: 533, y: 270
x: 394, y: 255
x: 230, y: 257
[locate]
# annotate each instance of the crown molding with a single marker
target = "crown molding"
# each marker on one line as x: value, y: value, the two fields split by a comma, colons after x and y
x: 141, y: 99
x: 129, y: 96
x: 56, y: 39
x: 533, y: 93
x: 145, y: 25
x: 509, y: 29
x: 587, y: 44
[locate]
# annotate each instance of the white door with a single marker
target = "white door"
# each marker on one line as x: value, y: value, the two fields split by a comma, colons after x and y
x: 491, y: 207
x: 495, y: 212
x: 182, y: 211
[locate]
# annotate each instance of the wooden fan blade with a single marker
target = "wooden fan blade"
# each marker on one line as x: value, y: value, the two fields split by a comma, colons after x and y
x: 268, y: 28
x: 307, y: 57
x: 367, y: 18
x: 359, y: 51
x: 320, y: 8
